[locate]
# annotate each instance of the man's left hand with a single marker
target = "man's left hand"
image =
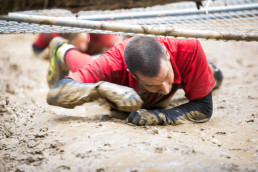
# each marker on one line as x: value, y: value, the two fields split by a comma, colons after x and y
x: 146, y: 117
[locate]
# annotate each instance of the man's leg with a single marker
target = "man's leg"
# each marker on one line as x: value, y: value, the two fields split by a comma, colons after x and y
x: 216, y: 73
x: 100, y: 43
x: 64, y: 57
x: 76, y: 60
x: 42, y: 41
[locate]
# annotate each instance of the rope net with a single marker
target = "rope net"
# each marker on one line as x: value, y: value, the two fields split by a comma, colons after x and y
x: 218, y: 19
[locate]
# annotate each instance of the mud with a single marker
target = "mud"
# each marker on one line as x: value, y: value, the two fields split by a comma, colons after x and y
x: 37, y: 137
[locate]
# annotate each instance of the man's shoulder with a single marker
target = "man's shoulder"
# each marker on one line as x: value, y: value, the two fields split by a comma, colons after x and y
x: 119, y: 47
x: 186, y: 45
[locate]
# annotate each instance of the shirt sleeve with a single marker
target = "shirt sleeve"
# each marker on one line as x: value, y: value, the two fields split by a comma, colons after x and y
x: 196, y: 76
x: 108, y: 67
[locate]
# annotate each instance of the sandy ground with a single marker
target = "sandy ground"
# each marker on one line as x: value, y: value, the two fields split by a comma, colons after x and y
x: 37, y: 137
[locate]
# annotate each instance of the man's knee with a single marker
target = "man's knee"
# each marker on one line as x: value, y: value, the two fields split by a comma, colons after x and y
x: 217, y: 73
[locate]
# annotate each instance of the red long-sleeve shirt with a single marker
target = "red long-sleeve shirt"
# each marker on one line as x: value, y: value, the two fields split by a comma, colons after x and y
x: 188, y: 61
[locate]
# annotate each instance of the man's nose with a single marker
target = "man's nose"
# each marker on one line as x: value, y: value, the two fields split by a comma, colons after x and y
x: 165, y: 88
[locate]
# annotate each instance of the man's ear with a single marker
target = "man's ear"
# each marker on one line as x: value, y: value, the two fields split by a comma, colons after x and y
x: 131, y: 73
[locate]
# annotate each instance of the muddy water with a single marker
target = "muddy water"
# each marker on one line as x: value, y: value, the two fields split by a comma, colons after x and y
x: 37, y: 137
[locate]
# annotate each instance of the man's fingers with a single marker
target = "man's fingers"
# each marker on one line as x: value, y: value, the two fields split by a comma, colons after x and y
x: 126, y: 106
x: 141, y: 122
x: 134, y: 104
x: 145, y: 117
x: 138, y: 101
x: 130, y: 118
x: 131, y: 104
x: 134, y: 118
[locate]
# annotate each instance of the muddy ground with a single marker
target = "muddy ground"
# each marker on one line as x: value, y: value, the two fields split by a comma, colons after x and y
x: 37, y: 137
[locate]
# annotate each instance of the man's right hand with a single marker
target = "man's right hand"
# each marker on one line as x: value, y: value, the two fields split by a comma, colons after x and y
x: 125, y: 98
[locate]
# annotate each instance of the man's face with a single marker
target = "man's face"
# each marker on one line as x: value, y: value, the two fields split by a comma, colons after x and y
x: 162, y: 83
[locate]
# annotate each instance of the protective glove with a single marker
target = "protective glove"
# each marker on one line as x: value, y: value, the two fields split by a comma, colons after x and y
x: 125, y: 98
x: 147, y: 117
x: 195, y: 111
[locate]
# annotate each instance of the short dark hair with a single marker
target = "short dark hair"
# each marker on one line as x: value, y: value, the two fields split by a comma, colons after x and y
x: 143, y: 54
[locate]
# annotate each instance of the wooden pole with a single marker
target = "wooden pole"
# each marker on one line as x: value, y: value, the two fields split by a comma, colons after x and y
x: 129, y: 28
x: 80, y: 5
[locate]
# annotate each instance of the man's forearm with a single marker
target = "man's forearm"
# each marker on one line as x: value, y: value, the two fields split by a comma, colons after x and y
x: 194, y: 111
x: 69, y: 93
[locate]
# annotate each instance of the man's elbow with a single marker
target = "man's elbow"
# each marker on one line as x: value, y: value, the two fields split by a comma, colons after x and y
x: 203, y: 116
x: 57, y: 94
x: 198, y: 117
x: 205, y: 109
x: 52, y: 97
x: 55, y: 100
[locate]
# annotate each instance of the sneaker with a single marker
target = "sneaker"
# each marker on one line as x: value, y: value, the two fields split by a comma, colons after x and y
x: 216, y: 73
x: 37, y: 50
x: 57, y: 68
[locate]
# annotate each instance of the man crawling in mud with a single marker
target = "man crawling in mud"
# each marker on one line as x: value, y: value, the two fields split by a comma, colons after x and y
x: 138, y: 76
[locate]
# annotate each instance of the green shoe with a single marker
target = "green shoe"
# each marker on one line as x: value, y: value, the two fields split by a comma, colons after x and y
x: 57, y: 69
x: 216, y: 73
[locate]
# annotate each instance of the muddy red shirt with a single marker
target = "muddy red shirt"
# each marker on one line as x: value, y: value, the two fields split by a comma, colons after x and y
x: 188, y: 61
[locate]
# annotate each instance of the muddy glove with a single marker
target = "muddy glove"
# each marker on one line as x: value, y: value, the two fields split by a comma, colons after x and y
x: 125, y: 98
x: 146, y: 117
x: 195, y: 111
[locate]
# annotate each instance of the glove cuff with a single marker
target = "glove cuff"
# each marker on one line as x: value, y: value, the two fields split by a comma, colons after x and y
x: 62, y: 50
